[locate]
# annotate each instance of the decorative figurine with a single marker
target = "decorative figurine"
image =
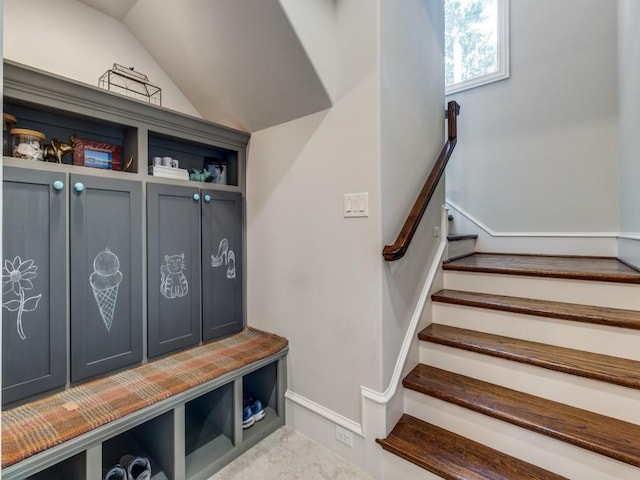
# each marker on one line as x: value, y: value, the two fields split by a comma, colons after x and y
x: 127, y: 166
x: 56, y: 149
x: 199, y: 175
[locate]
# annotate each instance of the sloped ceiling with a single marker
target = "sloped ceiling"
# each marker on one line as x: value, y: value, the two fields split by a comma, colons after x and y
x: 239, y: 62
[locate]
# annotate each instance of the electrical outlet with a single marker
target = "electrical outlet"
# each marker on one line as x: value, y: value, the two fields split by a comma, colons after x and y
x: 344, y: 436
x: 436, y: 231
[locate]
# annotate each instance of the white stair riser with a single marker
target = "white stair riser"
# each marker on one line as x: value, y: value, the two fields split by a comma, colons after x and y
x: 603, y: 398
x: 396, y: 468
x: 618, y: 342
x: 460, y: 248
x: 606, y: 294
x: 548, y: 453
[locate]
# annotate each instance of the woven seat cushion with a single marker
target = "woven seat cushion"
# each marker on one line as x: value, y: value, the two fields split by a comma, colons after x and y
x: 41, y: 424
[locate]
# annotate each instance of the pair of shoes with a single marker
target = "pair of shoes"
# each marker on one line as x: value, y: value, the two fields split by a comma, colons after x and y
x: 130, y: 468
x: 252, y: 412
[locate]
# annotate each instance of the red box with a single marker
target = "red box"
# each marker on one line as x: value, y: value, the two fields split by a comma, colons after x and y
x: 97, y: 154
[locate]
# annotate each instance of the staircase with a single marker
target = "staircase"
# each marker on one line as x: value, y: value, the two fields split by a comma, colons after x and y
x: 530, y: 370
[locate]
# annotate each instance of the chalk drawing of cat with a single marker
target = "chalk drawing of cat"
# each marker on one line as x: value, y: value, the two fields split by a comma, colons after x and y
x: 173, y: 283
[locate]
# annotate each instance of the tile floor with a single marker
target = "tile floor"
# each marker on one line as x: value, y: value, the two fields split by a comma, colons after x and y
x: 289, y: 455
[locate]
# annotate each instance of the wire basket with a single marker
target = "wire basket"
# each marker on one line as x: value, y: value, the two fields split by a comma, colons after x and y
x: 126, y: 81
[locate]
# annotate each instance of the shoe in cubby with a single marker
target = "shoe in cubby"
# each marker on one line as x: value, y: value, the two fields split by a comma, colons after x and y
x: 137, y: 468
x: 115, y: 473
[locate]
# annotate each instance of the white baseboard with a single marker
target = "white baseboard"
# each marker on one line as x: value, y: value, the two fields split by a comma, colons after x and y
x: 324, y: 412
x: 556, y: 243
x: 629, y: 249
x: 319, y: 424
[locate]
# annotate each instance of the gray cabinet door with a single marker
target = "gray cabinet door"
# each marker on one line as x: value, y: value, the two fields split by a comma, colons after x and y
x: 34, y: 286
x: 222, y: 247
x: 173, y: 267
x: 106, y: 274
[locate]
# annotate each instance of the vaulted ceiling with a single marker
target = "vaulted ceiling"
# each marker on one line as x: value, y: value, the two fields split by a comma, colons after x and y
x: 239, y: 62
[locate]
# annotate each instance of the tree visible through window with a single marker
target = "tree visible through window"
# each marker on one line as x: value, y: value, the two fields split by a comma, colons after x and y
x: 475, y: 43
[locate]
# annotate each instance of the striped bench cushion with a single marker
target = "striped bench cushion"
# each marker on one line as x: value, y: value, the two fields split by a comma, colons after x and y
x: 44, y: 423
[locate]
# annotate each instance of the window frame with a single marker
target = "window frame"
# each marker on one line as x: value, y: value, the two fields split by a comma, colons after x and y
x: 503, y: 70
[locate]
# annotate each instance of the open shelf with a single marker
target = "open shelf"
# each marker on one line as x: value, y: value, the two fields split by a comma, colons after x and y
x: 222, y: 163
x: 208, y: 429
x: 56, y: 124
x: 263, y: 385
x: 153, y: 439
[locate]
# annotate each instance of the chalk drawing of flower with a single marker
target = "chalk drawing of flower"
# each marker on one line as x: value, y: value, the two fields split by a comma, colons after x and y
x: 16, y: 278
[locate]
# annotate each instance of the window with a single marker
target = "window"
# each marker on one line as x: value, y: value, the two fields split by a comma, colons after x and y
x: 476, y: 43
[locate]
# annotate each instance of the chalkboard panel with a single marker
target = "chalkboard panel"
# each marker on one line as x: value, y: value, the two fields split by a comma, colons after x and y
x: 173, y: 266
x: 106, y: 275
x: 34, y: 283
x: 222, y: 246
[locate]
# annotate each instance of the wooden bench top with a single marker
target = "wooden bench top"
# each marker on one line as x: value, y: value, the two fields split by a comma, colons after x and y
x: 36, y: 426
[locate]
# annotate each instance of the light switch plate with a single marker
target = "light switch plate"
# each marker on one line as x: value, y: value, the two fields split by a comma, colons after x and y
x: 356, y: 204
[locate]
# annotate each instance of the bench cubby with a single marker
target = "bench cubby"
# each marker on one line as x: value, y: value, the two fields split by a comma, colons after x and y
x: 262, y: 384
x: 153, y: 439
x: 209, y: 425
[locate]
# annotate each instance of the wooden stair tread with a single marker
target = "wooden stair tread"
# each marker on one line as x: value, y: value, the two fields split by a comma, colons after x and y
x: 565, y: 311
x: 619, y: 371
x: 604, y: 435
x: 454, y: 457
x: 583, y: 268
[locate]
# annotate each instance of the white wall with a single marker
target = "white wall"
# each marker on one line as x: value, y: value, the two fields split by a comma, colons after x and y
x: 313, y: 21
x: 412, y: 135
x: 629, y: 61
x: 314, y: 276
x: 75, y: 41
x: 538, y: 152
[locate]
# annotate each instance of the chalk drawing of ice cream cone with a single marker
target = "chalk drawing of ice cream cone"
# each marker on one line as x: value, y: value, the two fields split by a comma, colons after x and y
x: 105, y: 280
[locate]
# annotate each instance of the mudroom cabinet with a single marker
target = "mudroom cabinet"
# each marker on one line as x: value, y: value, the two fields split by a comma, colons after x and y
x: 34, y: 283
x: 222, y: 263
x: 110, y: 267
x: 105, y: 238
x: 173, y: 266
x: 194, y: 265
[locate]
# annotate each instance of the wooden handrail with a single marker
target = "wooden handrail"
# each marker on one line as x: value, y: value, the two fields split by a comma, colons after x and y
x: 399, y: 247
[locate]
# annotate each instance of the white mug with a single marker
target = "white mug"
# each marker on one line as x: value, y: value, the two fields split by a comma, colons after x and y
x: 166, y: 161
x: 157, y: 161
x: 175, y: 163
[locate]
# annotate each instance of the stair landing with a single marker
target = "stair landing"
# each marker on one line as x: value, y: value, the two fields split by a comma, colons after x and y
x: 585, y: 268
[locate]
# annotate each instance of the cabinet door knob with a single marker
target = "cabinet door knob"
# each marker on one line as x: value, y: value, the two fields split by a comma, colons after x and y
x: 196, y: 196
x: 58, y: 185
x: 78, y: 187
x: 207, y: 198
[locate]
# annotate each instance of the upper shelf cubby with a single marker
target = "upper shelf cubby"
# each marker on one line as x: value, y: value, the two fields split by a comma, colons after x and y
x: 219, y: 165
x: 63, y: 126
x: 138, y: 131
